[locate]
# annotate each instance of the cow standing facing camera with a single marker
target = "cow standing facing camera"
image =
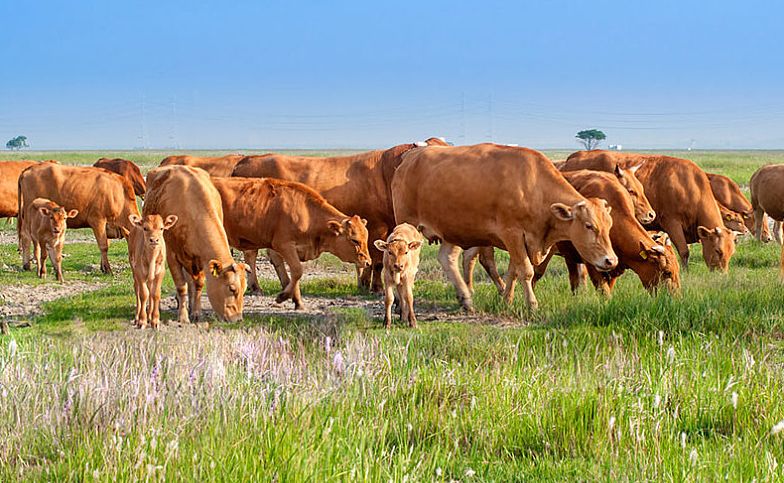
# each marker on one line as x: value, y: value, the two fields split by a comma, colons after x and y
x: 401, y: 262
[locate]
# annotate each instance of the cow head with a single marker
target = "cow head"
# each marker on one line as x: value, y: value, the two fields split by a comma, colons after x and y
x: 718, y: 246
x: 152, y: 227
x: 397, y: 255
x: 589, y: 224
x: 642, y: 208
x: 226, y: 285
x: 57, y: 217
x: 350, y: 241
x: 660, y: 264
x: 732, y: 220
x: 765, y: 235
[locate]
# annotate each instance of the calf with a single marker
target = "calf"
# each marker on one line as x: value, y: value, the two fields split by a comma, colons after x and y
x: 44, y: 225
x: 147, y: 255
x: 401, y: 262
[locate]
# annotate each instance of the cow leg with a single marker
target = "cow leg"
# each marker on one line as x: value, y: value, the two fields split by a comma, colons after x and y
x: 448, y: 255
x: 470, y: 257
x: 253, y: 281
x: 99, y: 230
x: 56, y: 255
x: 600, y: 281
x: 137, y: 315
x: 389, y: 298
x: 181, y: 285
x: 376, y: 285
x: 407, y: 297
x: 574, y: 274
x: 541, y: 269
x: 520, y: 266
x: 280, y: 267
x: 759, y: 215
x: 291, y: 291
x: 487, y: 260
x: 777, y: 232
x: 24, y: 249
x: 195, y: 296
x: 40, y: 259
x: 679, y: 240
x: 144, y: 297
x: 155, y: 301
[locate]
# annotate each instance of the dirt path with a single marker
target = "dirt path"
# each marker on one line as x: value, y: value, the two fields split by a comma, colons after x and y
x: 24, y: 301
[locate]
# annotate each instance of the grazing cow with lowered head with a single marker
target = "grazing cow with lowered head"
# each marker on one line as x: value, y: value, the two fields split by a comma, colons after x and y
x: 45, y: 225
x: 502, y: 196
x: 197, y: 248
x: 728, y: 194
x: 101, y: 197
x: 681, y: 194
x: 358, y: 184
x: 294, y: 221
x: 401, y: 262
x: 220, y: 166
x: 128, y: 170
x: 147, y: 255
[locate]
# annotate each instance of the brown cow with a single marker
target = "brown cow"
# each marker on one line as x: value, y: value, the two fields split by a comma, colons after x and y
x: 508, y: 197
x: 291, y: 219
x: 147, y: 255
x: 45, y: 224
x: 653, y: 262
x: 680, y: 193
x: 732, y: 219
x: 221, y: 166
x: 197, y: 244
x: 128, y: 170
x: 9, y: 185
x: 102, y: 198
x: 627, y: 177
x: 401, y: 263
x: 358, y: 184
x: 728, y: 193
x: 767, y: 198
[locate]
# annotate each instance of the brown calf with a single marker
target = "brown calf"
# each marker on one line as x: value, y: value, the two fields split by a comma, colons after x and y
x: 147, y: 255
x: 44, y: 226
x: 401, y: 262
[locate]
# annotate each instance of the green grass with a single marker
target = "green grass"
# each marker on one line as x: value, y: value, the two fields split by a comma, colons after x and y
x: 628, y: 388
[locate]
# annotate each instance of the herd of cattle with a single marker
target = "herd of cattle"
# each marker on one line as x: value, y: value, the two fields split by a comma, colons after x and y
x: 603, y: 211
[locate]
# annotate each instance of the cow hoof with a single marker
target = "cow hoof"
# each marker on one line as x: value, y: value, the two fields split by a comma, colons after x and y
x: 26, y: 266
x: 299, y: 306
x: 255, y: 290
x: 468, y: 308
x: 281, y: 297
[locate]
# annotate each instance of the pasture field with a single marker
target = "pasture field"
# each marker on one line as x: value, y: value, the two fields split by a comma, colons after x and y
x: 634, y: 387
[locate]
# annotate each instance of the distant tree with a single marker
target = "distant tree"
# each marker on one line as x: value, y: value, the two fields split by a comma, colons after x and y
x: 17, y: 143
x: 590, y: 138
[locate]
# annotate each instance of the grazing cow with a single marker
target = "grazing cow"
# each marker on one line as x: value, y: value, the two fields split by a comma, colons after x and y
x: 294, y: 221
x: 627, y: 177
x: 9, y: 185
x: 358, y: 184
x: 767, y: 198
x: 680, y: 193
x: 128, y: 170
x: 652, y: 261
x: 100, y: 196
x: 502, y: 196
x: 221, y: 166
x: 147, y: 255
x: 401, y: 262
x: 732, y: 219
x: 197, y: 244
x: 45, y: 224
x: 728, y: 193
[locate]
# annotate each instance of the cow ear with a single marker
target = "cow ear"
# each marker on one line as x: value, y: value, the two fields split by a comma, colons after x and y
x: 634, y: 168
x: 736, y: 234
x: 607, y: 206
x: 364, y: 221
x: 618, y: 171
x: 335, y: 226
x: 245, y: 267
x: 135, y: 220
x: 381, y: 245
x: 44, y: 210
x: 414, y: 245
x: 72, y: 214
x: 170, y: 221
x: 562, y: 211
x: 703, y: 232
x: 215, y: 268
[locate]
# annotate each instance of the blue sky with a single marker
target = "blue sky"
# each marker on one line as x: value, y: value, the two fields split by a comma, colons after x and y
x: 203, y: 74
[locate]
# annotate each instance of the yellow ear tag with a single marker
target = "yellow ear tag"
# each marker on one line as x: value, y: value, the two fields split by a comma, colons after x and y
x: 215, y: 272
x: 644, y: 255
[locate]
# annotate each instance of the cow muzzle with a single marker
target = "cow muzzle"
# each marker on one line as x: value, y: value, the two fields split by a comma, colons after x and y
x: 606, y: 263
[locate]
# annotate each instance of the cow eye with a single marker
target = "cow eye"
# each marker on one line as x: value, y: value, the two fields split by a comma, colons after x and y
x: 232, y: 289
x: 355, y: 242
x: 589, y: 226
x: 631, y: 192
